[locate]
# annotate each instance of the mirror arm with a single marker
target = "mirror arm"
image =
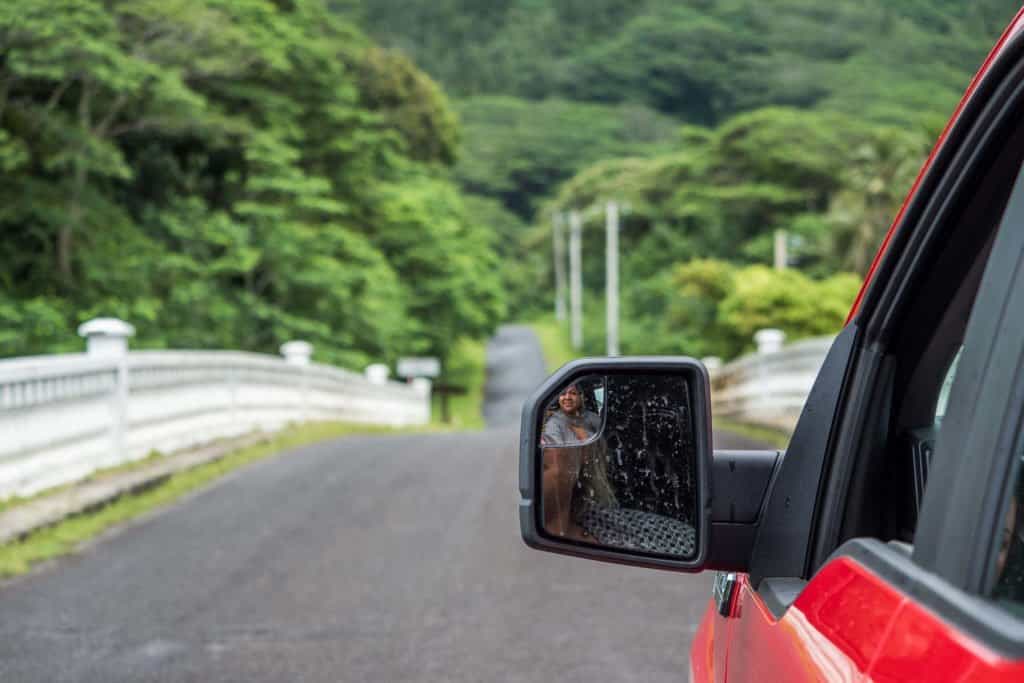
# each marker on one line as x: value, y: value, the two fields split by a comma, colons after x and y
x: 740, y: 481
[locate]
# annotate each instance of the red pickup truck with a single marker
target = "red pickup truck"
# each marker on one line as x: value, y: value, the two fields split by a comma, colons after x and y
x: 887, y: 542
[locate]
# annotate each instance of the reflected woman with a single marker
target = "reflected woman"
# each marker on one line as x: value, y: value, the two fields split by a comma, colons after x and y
x: 574, y: 468
x: 571, y: 423
x: 578, y: 501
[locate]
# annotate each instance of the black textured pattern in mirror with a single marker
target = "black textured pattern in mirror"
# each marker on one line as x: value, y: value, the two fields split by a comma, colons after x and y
x: 623, y: 474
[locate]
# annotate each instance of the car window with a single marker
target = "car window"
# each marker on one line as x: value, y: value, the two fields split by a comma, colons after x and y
x: 947, y: 384
x: 1009, y: 587
x: 920, y: 361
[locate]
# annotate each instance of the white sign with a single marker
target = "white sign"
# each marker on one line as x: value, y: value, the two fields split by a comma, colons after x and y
x: 419, y: 367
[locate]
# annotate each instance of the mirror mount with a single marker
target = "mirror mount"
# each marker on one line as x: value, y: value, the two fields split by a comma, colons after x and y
x: 741, y: 482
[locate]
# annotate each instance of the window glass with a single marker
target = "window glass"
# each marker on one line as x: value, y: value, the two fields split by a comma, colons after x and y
x: 1009, y: 589
x: 947, y: 384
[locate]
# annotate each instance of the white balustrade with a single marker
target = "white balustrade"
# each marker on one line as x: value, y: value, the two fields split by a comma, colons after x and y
x: 65, y: 416
x: 768, y: 387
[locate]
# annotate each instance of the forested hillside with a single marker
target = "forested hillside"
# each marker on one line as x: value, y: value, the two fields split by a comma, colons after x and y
x: 718, y: 121
x: 379, y: 177
x: 229, y: 174
x: 701, y: 60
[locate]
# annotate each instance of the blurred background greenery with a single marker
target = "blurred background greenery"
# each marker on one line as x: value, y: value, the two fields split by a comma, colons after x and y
x: 378, y: 177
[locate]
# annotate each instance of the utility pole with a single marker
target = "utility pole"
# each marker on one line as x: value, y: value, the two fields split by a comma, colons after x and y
x: 559, y: 255
x: 611, y: 264
x: 780, y: 250
x: 576, y: 278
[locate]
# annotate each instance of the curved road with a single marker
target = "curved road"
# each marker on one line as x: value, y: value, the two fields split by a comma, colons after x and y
x: 393, y: 558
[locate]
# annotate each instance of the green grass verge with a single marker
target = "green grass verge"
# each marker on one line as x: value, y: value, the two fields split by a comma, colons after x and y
x: 467, y: 368
x: 19, y: 557
x: 776, y: 438
x: 149, y: 459
x: 554, y: 342
x: 15, y: 501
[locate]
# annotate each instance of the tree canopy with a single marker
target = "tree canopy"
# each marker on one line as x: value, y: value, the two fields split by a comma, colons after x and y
x: 701, y: 60
x: 233, y: 174
x: 807, y: 117
x: 380, y: 177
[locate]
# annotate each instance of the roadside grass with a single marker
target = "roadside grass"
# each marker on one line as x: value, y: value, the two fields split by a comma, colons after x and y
x: 19, y: 556
x: 554, y: 342
x: 148, y: 459
x: 152, y: 456
x: 467, y: 368
x: 776, y: 438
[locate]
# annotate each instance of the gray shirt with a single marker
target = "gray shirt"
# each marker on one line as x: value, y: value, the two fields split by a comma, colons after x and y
x: 558, y: 429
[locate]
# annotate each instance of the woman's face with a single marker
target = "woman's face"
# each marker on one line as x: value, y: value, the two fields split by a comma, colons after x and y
x: 569, y: 400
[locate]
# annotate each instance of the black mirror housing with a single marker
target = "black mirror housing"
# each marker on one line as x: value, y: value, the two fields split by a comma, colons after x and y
x: 687, y: 380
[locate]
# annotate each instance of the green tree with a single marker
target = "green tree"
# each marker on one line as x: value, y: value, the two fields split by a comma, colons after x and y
x: 225, y: 174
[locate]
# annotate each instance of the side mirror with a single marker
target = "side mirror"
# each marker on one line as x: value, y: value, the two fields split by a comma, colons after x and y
x: 615, y: 462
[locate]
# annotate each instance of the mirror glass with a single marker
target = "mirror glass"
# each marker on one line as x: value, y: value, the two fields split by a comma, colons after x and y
x: 619, y: 464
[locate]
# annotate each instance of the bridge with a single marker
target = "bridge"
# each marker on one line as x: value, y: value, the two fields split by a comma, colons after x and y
x: 62, y: 417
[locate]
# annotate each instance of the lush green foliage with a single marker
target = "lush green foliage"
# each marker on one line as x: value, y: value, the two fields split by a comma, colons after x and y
x: 230, y: 173
x: 237, y: 173
x: 467, y: 369
x: 828, y: 179
x: 554, y: 342
x: 792, y: 115
x: 518, y: 151
x: 716, y: 308
x: 702, y: 60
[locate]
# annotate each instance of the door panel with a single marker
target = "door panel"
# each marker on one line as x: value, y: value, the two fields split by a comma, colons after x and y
x: 921, y: 647
x: 850, y: 624
x: 831, y: 632
x: 707, y: 653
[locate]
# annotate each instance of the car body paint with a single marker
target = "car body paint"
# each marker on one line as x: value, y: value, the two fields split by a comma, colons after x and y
x: 923, y: 647
x: 848, y: 624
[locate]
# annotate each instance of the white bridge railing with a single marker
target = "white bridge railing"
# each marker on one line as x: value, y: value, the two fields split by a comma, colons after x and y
x: 63, y: 417
x: 768, y: 387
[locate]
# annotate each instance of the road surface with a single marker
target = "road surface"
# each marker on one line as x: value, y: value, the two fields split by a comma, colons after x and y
x: 389, y: 558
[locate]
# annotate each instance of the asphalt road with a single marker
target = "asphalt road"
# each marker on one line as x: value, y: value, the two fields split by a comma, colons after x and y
x: 392, y: 558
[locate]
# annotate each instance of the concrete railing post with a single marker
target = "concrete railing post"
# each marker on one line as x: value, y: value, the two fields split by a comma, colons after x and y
x: 769, y: 340
x: 298, y: 353
x: 423, y: 387
x: 377, y: 373
x: 108, y: 338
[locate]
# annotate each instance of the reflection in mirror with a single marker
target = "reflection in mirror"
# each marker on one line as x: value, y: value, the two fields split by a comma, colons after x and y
x: 573, y: 416
x: 618, y: 464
